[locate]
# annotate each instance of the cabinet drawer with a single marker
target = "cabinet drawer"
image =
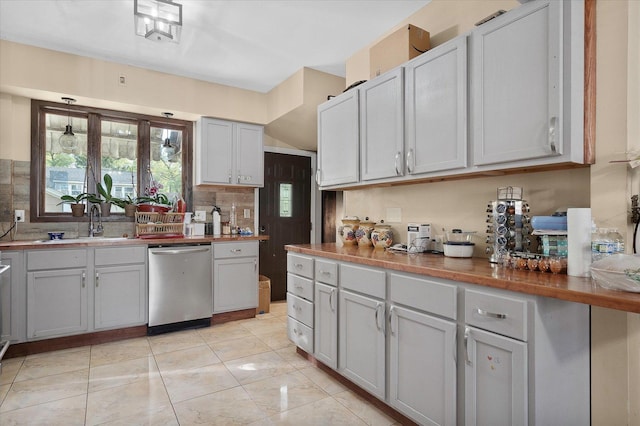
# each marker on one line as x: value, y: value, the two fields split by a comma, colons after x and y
x: 364, y: 280
x: 120, y: 255
x: 300, y: 334
x: 499, y: 314
x: 56, y: 259
x: 300, y: 309
x: 235, y: 249
x: 424, y: 294
x: 326, y: 272
x: 300, y: 265
x: 299, y: 286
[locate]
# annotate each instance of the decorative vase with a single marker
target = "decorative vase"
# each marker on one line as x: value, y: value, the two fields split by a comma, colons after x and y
x: 348, y: 231
x: 77, y: 210
x: 130, y: 210
x: 363, y: 233
x: 105, y: 209
x: 382, y: 236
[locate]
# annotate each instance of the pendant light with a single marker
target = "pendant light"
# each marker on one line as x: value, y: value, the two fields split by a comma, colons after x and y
x: 68, y: 141
x: 168, y: 151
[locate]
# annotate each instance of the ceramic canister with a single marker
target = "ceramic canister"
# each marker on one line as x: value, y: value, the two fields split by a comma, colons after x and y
x: 363, y: 233
x: 382, y: 236
x: 348, y: 230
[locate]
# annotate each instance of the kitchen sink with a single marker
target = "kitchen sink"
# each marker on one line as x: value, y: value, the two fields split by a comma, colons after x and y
x: 80, y: 240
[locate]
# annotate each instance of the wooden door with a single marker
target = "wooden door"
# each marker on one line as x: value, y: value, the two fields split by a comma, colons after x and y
x: 285, y: 214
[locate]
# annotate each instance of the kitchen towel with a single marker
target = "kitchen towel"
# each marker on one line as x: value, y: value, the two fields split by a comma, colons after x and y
x: 579, y: 242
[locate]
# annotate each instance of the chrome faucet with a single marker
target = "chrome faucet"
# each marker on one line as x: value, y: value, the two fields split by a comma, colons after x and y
x: 95, y: 211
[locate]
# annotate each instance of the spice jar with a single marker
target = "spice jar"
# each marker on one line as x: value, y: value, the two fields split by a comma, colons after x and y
x: 558, y: 264
x: 532, y: 263
x: 363, y: 233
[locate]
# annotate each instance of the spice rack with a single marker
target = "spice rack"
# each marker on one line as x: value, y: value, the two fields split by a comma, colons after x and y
x: 159, y: 225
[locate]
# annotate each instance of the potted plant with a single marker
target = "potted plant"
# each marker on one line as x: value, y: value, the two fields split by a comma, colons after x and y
x: 106, y: 199
x: 77, y: 207
x: 128, y: 204
x: 154, y: 203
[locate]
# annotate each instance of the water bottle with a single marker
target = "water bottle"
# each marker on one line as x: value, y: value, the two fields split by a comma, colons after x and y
x: 617, y: 241
x: 599, y: 244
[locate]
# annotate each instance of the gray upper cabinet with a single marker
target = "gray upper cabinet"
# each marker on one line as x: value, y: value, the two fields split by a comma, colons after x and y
x: 229, y: 153
x: 382, y: 126
x: 521, y: 79
x: 338, y: 140
x: 436, y: 109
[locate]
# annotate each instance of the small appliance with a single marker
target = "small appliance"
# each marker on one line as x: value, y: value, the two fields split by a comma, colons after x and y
x: 418, y: 237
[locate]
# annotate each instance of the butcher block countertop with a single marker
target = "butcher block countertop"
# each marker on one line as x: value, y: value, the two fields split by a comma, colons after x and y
x: 116, y: 241
x: 479, y: 271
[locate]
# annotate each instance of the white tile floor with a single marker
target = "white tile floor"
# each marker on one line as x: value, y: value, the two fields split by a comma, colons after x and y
x: 243, y: 372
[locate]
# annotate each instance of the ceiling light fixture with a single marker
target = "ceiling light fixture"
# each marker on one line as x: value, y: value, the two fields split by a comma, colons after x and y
x: 68, y: 141
x: 168, y: 151
x: 158, y: 20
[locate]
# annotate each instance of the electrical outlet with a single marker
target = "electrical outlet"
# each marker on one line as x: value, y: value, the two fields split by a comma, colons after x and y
x: 247, y: 213
x: 19, y: 216
x: 200, y: 216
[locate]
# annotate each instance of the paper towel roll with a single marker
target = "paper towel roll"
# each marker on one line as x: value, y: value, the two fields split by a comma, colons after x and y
x: 579, y: 242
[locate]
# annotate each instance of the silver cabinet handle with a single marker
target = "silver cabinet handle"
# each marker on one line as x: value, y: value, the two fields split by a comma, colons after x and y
x: 229, y: 176
x: 378, y: 326
x: 410, y: 161
x: 321, y: 272
x: 333, y: 290
x: 84, y: 279
x: 398, y: 154
x: 178, y: 251
x: 298, y: 265
x: 318, y: 177
x: 553, y: 124
x: 97, y: 279
x: 488, y: 314
x: 236, y: 250
x: 255, y: 265
x: 467, y: 333
x: 391, y: 319
x: 238, y: 178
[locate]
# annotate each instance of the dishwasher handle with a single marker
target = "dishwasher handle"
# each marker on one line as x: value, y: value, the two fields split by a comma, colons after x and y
x: 179, y: 251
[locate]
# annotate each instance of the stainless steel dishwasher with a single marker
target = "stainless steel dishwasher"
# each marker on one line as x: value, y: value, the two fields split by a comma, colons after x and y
x: 180, y: 294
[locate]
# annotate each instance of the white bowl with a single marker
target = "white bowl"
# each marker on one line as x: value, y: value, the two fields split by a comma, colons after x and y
x: 458, y: 250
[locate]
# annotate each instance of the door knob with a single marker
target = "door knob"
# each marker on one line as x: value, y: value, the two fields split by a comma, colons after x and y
x: 263, y: 229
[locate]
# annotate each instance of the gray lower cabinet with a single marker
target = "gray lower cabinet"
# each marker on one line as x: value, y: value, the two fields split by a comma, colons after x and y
x: 422, y: 349
x: 120, y: 287
x: 235, y: 276
x: 57, y: 303
x: 361, y: 328
x: 14, y: 298
x: 444, y: 352
x: 57, y: 293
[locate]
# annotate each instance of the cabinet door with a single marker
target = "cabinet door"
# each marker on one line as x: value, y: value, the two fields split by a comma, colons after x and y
x: 436, y: 109
x: 517, y: 85
x: 326, y: 324
x: 214, y: 146
x: 362, y: 341
x: 338, y: 140
x: 422, y: 367
x: 249, y: 155
x: 382, y: 126
x: 495, y: 379
x: 235, y: 284
x: 14, y: 297
x: 120, y: 296
x: 56, y: 303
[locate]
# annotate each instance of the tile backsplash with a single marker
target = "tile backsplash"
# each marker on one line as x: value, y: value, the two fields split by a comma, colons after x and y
x: 14, y: 194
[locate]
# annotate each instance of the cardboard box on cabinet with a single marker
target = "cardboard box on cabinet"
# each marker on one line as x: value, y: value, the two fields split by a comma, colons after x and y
x: 397, y: 48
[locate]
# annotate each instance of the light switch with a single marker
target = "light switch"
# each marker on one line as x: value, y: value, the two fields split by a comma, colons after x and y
x: 394, y: 214
x: 200, y: 216
x: 247, y: 213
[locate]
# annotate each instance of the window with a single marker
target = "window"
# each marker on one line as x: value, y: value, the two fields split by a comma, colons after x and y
x: 127, y: 146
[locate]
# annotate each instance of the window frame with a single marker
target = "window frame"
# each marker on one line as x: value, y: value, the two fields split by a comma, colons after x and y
x: 94, y: 116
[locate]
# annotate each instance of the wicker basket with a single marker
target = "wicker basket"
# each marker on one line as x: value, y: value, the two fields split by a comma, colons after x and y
x: 155, y: 224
